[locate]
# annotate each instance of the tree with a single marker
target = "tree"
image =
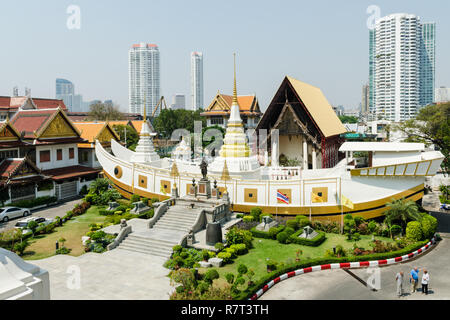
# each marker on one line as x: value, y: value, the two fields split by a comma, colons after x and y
x: 348, y: 119
x: 98, y: 186
x: 402, y: 210
x: 32, y: 225
x: 431, y: 126
x: 169, y: 120
x: 132, y: 136
x: 105, y: 111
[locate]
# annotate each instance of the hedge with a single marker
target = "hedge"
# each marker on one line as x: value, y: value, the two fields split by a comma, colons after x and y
x: 317, y: 241
x: 267, y: 234
x: 250, y: 291
x: 34, y: 202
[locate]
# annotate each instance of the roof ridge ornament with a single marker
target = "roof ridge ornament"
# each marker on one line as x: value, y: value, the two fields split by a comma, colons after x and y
x: 235, y: 99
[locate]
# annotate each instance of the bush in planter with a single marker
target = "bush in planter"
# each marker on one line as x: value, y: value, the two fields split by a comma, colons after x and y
x: 414, y: 231
x: 292, y: 224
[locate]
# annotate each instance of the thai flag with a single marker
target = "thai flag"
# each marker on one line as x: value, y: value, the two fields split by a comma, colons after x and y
x: 282, y: 197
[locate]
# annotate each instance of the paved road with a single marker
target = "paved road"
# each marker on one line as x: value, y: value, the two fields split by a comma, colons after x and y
x: 340, y: 285
x: 50, y: 213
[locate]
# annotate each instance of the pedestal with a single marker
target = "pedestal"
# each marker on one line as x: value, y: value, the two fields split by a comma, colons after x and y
x: 204, y: 188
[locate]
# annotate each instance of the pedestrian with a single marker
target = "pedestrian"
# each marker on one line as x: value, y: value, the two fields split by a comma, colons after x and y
x: 399, y: 278
x: 425, y: 281
x: 414, y: 279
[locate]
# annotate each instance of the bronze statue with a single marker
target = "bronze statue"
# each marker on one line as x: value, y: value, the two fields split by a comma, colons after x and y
x: 204, y: 168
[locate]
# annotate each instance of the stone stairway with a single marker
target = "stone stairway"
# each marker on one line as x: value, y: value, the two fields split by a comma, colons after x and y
x: 168, y: 230
x: 147, y: 245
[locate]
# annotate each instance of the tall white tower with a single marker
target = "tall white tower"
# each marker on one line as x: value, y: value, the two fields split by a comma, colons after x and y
x: 196, y: 80
x: 144, y: 78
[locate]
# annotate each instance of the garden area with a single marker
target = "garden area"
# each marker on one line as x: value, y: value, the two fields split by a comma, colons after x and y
x: 252, y: 257
x: 64, y: 234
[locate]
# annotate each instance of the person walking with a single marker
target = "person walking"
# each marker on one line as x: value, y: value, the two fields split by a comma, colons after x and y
x: 399, y: 279
x: 425, y: 281
x: 414, y: 279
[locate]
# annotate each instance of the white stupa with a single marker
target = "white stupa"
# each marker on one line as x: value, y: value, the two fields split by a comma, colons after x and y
x: 235, y: 150
x: 182, y: 151
x: 145, y: 151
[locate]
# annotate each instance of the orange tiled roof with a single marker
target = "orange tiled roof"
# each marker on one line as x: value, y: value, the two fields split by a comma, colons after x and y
x: 248, y: 104
x: 90, y: 130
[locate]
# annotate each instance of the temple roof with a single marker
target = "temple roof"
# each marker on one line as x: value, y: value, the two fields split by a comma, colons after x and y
x: 221, y: 105
x: 13, y: 103
x: 308, y: 103
x: 92, y: 131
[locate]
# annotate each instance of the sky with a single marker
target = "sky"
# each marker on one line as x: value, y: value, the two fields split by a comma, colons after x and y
x: 324, y: 43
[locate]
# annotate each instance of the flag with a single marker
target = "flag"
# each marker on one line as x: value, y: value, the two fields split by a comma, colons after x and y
x: 282, y: 197
x: 346, y: 202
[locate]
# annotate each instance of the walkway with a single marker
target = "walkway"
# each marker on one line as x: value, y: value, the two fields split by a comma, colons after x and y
x: 113, y: 275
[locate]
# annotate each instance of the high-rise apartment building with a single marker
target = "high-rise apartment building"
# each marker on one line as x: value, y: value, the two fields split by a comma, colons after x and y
x: 365, y: 97
x: 144, y: 78
x: 401, y: 66
x: 442, y: 94
x: 65, y: 90
x: 427, y: 63
x: 178, y: 102
x: 196, y: 80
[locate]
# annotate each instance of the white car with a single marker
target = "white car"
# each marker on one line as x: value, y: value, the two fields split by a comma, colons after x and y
x: 22, y: 224
x: 8, y: 213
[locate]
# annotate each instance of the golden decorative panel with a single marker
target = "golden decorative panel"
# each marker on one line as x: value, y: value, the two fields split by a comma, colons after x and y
x: 188, y: 188
x: 251, y: 195
x: 105, y: 135
x: 142, y: 181
x: 117, y: 171
x: 165, y: 186
x: 287, y: 193
x: 319, y: 195
x: 6, y: 134
x: 58, y: 127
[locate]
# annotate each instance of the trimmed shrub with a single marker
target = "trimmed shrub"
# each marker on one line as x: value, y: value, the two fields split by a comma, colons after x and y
x: 429, y: 225
x: 256, y: 213
x: 248, y: 218
x: 232, y: 252
x: 134, y: 198
x: 242, y: 269
x: 289, y: 231
x: 205, y: 255
x: 271, y: 265
x: 239, y: 248
x: 177, y: 248
x: 239, y: 215
x: 356, y: 236
x: 292, y: 224
x: 283, y: 237
x: 235, y: 236
x: 219, y: 246
x: 229, y: 277
x: 225, y: 256
x: 414, y: 231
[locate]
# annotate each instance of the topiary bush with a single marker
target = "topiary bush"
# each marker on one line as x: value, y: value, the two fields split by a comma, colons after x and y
x: 248, y: 218
x: 429, y: 225
x: 256, y: 212
x: 225, y: 256
x: 242, y: 269
x: 414, y: 231
x: 235, y: 236
x: 282, y: 237
x: 292, y: 224
x: 289, y: 231
x: 219, y: 246
x: 396, y: 229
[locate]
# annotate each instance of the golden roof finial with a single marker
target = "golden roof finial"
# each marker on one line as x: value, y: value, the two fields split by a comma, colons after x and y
x: 235, y: 100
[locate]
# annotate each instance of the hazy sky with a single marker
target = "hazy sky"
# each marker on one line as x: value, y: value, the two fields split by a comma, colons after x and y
x: 324, y: 43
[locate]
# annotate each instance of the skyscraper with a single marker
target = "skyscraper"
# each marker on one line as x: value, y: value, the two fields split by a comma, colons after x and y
x: 144, y: 78
x: 65, y: 90
x: 372, y: 70
x: 402, y: 66
x: 427, y: 63
x: 196, y: 80
x: 365, y: 97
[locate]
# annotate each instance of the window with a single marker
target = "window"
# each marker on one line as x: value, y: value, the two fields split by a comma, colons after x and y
x: 44, y: 156
x: 71, y: 153
x: 59, y: 155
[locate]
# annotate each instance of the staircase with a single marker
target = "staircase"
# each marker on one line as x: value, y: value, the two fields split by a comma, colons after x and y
x: 168, y: 230
x: 147, y: 245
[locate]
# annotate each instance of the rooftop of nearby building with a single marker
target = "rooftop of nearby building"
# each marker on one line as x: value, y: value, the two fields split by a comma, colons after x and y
x: 381, y: 146
x: 7, y: 102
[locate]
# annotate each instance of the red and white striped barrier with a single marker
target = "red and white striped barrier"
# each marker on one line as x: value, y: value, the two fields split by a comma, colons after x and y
x: 344, y: 265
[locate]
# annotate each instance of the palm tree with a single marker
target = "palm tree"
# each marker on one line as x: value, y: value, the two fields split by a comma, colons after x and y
x: 401, y: 210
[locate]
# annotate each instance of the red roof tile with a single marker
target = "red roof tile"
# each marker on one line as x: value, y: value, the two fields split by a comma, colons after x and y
x: 40, y: 103
x: 69, y: 172
x: 8, y: 166
x: 30, y: 121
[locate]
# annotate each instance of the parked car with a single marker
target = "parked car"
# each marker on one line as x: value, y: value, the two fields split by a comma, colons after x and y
x: 22, y: 224
x: 8, y: 213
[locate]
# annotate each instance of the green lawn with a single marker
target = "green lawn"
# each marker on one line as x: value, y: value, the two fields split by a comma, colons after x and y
x: 43, y: 246
x: 271, y: 249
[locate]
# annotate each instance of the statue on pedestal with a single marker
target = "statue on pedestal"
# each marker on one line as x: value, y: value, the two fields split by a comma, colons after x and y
x: 204, y: 169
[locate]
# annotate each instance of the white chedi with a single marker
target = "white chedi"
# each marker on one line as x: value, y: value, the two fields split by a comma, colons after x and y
x: 145, y: 151
x: 182, y: 151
